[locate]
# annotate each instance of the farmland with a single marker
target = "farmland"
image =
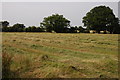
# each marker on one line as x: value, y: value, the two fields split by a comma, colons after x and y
x: 61, y: 55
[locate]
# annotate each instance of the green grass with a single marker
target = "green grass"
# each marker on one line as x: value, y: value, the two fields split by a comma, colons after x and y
x: 56, y: 55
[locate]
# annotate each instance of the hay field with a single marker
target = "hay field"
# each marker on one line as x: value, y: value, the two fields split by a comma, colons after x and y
x: 60, y: 55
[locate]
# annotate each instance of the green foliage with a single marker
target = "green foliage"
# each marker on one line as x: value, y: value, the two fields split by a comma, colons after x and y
x: 56, y: 23
x: 15, y: 28
x: 81, y: 29
x: 4, y: 25
x: 33, y: 29
x: 101, y: 18
x: 73, y: 30
x: 18, y: 27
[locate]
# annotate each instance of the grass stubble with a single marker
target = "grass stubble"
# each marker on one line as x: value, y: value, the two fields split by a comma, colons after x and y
x: 56, y: 55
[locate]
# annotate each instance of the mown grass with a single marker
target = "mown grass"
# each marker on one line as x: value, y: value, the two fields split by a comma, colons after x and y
x: 55, y: 55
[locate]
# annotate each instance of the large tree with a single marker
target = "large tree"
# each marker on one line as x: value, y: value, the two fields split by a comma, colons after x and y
x: 55, y: 23
x: 101, y: 18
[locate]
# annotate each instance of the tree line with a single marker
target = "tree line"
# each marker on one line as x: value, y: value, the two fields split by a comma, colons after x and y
x: 21, y: 28
x: 100, y: 18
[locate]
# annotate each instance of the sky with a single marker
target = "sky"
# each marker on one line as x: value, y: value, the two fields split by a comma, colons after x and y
x: 32, y: 13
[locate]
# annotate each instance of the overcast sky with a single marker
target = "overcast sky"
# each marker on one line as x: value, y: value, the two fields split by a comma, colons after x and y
x: 32, y: 13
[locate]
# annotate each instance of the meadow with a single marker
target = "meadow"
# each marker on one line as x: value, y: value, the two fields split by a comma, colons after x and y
x: 60, y: 55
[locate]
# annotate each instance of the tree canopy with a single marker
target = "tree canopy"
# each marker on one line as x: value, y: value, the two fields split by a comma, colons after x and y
x: 101, y: 18
x: 18, y: 27
x: 33, y: 29
x: 4, y: 25
x: 55, y: 23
